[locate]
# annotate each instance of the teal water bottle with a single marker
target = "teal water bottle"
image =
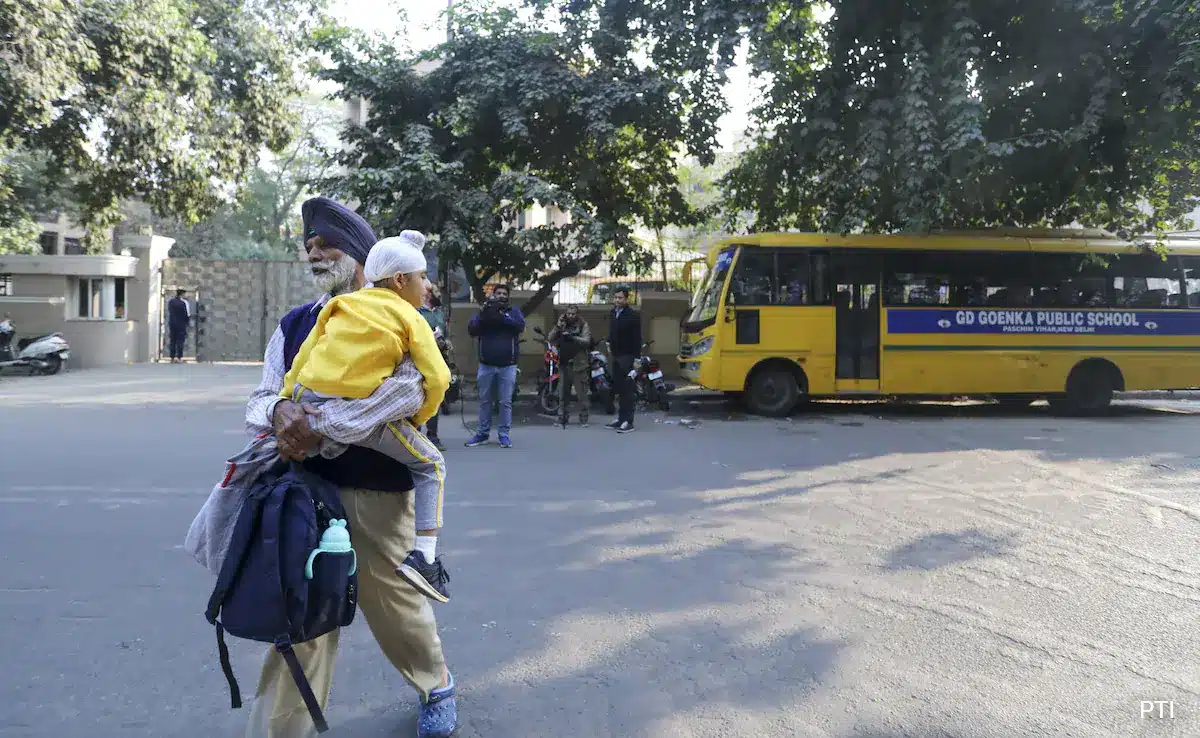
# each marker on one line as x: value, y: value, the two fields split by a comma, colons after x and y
x: 335, y: 540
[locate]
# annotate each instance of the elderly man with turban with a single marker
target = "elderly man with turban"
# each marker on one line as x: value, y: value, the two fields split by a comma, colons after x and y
x: 377, y: 492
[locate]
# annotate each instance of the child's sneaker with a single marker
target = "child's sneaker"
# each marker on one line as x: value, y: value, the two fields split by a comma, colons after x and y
x: 428, y: 579
x: 479, y: 439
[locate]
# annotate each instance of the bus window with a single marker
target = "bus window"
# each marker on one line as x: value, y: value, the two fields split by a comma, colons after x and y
x: 1068, y: 280
x: 1191, y: 276
x: 794, y: 277
x: 1145, y: 281
x: 710, y: 292
x: 754, y: 279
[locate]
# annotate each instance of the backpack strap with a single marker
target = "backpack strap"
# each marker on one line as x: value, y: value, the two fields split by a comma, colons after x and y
x: 247, y: 525
x: 284, y: 646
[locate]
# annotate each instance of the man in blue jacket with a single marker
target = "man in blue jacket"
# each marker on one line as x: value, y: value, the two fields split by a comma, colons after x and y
x: 497, y: 331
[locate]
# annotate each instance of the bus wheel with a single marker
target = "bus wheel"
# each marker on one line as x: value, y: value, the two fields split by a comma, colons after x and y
x: 772, y: 391
x: 1090, y: 388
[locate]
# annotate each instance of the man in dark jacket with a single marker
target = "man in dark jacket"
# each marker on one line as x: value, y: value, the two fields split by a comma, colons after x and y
x: 375, y: 489
x: 497, y: 330
x: 625, y: 345
x: 179, y: 315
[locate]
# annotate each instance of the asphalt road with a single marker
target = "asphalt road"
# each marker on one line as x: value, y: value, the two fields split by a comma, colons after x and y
x: 856, y: 571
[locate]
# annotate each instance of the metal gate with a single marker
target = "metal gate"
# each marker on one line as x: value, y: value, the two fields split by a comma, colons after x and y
x: 236, y: 305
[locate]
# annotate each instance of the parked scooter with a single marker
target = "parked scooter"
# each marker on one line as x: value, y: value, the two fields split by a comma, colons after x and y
x: 43, y: 354
x: 650, y: 387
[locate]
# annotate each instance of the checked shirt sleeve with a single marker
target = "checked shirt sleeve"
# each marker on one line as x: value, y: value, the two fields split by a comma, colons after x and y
x: 264, y: 399
x: 350, y: 421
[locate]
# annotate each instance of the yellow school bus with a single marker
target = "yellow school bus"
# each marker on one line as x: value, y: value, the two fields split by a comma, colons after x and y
x: 1015, y: 315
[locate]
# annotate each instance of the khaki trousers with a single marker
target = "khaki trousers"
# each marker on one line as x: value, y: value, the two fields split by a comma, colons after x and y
x: 400, y: 618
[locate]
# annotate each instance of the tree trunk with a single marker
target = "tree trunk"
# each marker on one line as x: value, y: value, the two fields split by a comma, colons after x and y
x: 662, y: 256
x: 550, y: 281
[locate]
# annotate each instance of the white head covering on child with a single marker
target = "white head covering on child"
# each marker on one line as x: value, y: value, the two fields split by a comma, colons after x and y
x: 401, y: 254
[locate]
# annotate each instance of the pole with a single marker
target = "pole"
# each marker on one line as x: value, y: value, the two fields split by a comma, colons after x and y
x: 449, y: 20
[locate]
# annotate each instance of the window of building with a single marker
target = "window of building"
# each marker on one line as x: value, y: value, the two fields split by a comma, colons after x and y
x: 72, y: 246
x: 49, y: 243
x: 119, y: 298
x: 6, y: 285
x: 520, y: 220
x: 89, y: 297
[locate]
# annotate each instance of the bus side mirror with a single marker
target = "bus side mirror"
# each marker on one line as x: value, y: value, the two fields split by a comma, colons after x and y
x: 729, y: 314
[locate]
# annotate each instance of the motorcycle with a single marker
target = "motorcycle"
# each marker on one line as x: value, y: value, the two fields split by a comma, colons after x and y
x: 43, y: 354
x: 649, y: 385
x: 547, y: 382
x: 601, y: 383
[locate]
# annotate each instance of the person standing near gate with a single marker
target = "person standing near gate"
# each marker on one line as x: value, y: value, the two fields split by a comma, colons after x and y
x: 625, y: 344
x: 179, y: 315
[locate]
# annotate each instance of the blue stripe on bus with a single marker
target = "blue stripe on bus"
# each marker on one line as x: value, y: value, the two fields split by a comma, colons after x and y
x: 1097, y: 349
x: 1033, y: 321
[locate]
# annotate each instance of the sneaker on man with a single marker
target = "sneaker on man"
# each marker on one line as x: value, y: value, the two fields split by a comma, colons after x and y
x: 583, y: 420
x: 625, y: 427
x: 505, y: 441
x: 437, y: 443
x: 613, y: 425
x: 427, y: 578
x: 479, y: 439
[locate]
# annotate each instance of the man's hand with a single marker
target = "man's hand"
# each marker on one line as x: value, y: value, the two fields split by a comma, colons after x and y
x: 295, y: 437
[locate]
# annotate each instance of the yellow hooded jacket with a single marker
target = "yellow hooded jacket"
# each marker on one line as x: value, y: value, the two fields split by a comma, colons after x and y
x: 358, y: 341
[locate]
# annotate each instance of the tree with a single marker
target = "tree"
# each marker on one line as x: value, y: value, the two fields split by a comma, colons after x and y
x: 912, y: 116
x: 505, y: 117
x: 158, y: 99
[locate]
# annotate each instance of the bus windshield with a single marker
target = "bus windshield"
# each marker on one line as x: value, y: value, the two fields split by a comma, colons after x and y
x: 708, y: 297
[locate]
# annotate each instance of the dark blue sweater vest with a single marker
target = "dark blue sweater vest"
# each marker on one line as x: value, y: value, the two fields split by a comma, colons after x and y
x: 358, y: 467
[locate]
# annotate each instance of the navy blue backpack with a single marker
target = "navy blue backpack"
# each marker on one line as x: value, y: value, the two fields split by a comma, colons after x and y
x: 290, y: 574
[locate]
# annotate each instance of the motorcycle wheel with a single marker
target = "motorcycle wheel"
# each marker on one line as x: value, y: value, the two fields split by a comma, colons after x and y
x: 53, y: 365
x: 548, y: 398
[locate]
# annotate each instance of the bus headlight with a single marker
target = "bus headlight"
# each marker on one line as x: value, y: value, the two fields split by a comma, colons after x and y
x: 701, y: 347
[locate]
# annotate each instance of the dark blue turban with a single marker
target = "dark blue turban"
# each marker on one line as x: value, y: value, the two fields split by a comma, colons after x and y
x: 340, y: 227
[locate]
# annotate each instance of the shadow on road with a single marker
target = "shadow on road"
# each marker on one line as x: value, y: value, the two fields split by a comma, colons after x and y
x: 938, y: 550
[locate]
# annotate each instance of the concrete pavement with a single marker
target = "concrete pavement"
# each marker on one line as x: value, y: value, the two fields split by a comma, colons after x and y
x: 855, y: 571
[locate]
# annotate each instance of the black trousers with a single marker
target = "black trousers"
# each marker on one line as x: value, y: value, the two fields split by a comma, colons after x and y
x: 175, y: 341
x: 624, y: 387
x: 431, y: 427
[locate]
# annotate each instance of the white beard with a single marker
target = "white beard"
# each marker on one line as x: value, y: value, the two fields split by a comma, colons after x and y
x: 336, y: 277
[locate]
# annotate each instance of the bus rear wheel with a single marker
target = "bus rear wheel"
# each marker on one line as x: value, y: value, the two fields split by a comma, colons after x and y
x: 773, y: 391
x: 1090, y: 389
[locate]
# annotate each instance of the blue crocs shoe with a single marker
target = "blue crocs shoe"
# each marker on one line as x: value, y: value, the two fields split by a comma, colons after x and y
x: 505, y: 441
x: 479, y: 439
x: 439, y: 715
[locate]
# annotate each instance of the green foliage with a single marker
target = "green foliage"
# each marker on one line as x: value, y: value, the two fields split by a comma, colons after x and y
x: 958, y: 113
x: 21, y: 237
x: 504, y: 117
x: 157, y: 99
x: 263, y: 220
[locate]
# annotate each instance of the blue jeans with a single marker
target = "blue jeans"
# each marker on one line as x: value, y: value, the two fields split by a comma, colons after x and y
x: 489, y: 378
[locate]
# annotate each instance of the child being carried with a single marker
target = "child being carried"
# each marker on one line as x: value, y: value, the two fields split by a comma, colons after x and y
x: 358, y: 341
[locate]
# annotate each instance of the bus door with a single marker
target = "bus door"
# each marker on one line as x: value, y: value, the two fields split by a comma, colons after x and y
x: 856, y: 299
